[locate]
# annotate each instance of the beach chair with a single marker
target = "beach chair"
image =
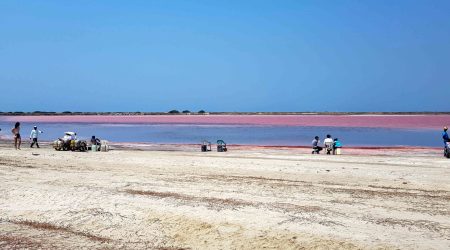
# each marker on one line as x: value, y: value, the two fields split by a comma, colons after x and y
x: 329, y: 147
x: 206, y: 146
x: 221, y: 146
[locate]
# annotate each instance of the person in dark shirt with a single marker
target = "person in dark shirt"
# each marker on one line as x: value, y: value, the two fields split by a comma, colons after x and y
x: 95, y: 141
x: 446, y: 142
x: 445, y: 136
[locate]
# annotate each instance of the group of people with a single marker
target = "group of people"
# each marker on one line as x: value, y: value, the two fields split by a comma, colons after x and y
x: 34, y: 135
x: 18, y: 138
x: 331, y: 145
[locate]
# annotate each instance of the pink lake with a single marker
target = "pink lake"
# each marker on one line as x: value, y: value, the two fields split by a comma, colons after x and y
x: 370, y: 121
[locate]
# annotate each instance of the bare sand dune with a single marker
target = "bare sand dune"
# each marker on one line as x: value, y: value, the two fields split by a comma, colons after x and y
x: 246, y: 199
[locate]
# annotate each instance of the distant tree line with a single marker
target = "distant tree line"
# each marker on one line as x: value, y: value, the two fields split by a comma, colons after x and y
x: 174, y: 111
x: 40, y: 113
x: 203, y: 112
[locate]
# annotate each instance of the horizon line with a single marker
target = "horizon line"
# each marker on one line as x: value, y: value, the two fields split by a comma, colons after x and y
x: 201, y: 112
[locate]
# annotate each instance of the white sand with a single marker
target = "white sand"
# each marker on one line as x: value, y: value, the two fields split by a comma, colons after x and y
x: 247, y: 199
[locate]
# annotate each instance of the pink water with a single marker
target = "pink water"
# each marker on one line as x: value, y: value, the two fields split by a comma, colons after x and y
x: 369, y: 121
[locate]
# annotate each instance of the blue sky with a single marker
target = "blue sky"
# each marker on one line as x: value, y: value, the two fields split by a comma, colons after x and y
x: 225, y: 55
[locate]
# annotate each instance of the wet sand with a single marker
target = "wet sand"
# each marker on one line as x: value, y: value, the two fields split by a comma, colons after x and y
x: 173, y: 197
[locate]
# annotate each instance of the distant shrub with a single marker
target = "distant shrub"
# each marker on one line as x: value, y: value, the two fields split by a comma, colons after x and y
x: 186, y: 111
x: 201, y: 111
x: 174, y: 111
x: 67, y: 112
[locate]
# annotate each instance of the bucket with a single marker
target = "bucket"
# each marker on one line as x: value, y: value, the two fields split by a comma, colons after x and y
x: 338, y: 151
x: 94, y: 148
x: 104, y: 148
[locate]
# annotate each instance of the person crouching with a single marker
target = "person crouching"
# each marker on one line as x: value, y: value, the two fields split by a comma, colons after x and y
x: 315, y: 145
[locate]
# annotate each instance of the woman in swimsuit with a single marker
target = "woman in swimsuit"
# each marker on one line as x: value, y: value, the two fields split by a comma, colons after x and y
x: 16, y: 133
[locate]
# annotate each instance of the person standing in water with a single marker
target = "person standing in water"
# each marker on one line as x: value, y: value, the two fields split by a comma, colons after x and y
x: 34, y: 136
x: 16, y: 132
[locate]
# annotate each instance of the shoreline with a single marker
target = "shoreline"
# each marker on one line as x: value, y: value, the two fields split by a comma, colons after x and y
x: 4, y: 140
x: 300, y: 149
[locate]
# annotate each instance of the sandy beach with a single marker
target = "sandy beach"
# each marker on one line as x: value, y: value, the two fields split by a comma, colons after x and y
x: 248, y: 198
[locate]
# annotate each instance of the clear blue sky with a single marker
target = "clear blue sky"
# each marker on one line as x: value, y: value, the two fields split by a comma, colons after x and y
x: 372, y: 55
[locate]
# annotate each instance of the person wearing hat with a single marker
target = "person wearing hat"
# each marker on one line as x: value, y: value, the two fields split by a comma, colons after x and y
x: 34, y: 136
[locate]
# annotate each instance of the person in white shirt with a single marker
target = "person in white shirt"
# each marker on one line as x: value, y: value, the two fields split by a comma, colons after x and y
x: 328, y: 144
x: 34, y: 136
